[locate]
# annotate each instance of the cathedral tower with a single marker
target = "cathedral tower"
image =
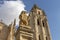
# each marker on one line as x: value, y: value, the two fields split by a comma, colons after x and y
x: 39, y: 23
x: 34, y: 26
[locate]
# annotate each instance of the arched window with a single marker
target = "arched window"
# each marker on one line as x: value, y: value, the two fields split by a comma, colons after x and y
x: 39, y: 12
x: 38, y: 22
x: 46, y: 38
x: 39, y: 37
x: 43, y: 23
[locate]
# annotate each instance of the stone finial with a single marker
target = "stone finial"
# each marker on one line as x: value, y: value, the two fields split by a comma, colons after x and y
x: 14, y: 22
x: 35, y: 7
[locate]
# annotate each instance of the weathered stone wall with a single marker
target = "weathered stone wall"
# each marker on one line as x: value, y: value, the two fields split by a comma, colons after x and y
x: 3, y: 31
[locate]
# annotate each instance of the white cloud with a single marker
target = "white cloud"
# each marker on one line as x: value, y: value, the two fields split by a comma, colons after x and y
x: 11, y: 10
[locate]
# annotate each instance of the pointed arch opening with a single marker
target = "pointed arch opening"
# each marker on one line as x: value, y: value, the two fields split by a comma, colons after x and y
x: 39, y: 37
x: 46, y: 38
x: 38, y: 22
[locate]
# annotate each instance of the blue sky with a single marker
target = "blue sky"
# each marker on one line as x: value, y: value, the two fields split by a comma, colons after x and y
x: 52, y: 10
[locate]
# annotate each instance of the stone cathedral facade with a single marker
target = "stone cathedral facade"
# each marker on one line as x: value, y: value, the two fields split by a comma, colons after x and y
x: 33, y: 26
